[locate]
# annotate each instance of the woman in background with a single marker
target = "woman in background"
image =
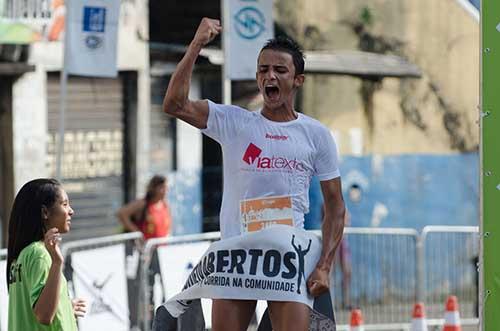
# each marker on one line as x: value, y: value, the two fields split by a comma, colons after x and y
x: 38, y: 292
x: 151, y: 214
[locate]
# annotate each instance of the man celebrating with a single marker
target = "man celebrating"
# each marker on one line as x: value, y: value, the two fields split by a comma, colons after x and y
x: 269, y: 158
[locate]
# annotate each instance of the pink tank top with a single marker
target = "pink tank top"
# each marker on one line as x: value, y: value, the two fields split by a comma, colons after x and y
x: 158, y: 221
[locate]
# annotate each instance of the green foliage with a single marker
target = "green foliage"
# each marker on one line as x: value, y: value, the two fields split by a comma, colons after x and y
x: 366, y: 16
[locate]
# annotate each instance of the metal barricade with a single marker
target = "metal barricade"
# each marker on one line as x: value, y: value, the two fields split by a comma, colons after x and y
x: 391, y: 270
x: 132, y: 244
x: 445, y: 263
x: 450, y: 257
x: 148, y: 256
x: 383, y: 273
x: 383, y: 276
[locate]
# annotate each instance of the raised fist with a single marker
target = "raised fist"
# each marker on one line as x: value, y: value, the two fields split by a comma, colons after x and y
x: 207, y: 31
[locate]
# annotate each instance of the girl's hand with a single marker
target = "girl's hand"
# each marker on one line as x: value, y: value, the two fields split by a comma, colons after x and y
x: 79, y: 307
x: 51, y: 241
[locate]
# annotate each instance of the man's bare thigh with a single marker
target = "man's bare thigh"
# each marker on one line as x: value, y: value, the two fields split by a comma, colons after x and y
x: 287, y: 316
x: 232, y: 315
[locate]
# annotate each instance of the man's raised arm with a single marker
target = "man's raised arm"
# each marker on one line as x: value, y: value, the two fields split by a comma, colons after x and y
x: 176, y: 101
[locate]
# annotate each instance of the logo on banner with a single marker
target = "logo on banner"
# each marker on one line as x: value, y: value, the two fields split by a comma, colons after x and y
x: 249, y: 22
x: 301, y: 253
x: 98, y: 305
x: 93, y: 42
x: 274, y: 270
x: 94, y: 21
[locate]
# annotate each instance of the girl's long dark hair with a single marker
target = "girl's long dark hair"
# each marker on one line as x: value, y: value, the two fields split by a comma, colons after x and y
x: 156, y: 181
x: 25, y: 223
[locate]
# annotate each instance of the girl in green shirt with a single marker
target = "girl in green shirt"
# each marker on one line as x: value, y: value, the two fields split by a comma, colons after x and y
x: 38, y: 293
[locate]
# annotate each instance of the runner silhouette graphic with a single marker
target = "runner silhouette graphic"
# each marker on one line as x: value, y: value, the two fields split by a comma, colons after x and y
x: 300, y: 254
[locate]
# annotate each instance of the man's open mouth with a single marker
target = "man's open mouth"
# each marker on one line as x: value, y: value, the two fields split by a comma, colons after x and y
x: 272, y: 92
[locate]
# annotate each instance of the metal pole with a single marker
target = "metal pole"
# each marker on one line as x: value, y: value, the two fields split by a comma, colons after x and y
x: 420, y: 251
x: 62, y: 103
x: 226, y: 26
x: 62, y: 112
x: 146, y: 257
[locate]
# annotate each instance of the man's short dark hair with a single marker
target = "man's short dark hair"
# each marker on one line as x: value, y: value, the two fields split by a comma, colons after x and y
x: 285, y: 44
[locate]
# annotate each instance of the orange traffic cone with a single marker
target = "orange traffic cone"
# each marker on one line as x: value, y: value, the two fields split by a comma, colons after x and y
x: 418, y: 322
x: 356, y: 321
x: 452, y: 317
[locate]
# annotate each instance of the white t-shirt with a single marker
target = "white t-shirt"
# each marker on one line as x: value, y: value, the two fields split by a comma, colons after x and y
x: 268, y: 163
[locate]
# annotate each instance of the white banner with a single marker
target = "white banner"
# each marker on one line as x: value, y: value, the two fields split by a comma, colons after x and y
x: 4, y: 298
x: 91, y: 37
x: 271, y: 264
x: 250, y: 26
x: 99, y: 277
x: 176, y: 264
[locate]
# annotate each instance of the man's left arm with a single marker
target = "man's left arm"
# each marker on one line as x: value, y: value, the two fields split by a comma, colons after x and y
x: 332, y: 230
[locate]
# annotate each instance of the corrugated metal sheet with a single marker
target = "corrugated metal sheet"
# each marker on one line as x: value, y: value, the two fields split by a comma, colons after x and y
x: 92, y: 104
x: 93, y: 152
x: 162, y: 130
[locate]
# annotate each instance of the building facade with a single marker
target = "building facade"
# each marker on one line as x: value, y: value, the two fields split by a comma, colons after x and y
x: 106, y: 143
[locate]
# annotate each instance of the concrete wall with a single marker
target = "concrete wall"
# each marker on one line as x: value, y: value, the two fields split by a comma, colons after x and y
x: 406, y: 191
x: 29, y: 119
x: 434, y: 114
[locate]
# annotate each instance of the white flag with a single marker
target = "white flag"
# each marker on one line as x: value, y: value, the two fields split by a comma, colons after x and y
x: 250, y: 26
x: 91, y: 37
x: 271, y: 264
x: 99, y: 276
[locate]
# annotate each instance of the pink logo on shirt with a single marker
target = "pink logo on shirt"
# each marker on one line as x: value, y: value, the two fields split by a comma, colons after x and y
x: 253, y: 156
x: 251, y: 153
x: 276, y: 137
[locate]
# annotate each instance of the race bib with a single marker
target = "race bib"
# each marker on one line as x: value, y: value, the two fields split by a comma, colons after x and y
x: 257, y: 214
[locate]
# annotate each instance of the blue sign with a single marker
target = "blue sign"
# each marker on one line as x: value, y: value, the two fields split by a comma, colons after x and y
x: 94, y: 19
x: 249, y: 22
